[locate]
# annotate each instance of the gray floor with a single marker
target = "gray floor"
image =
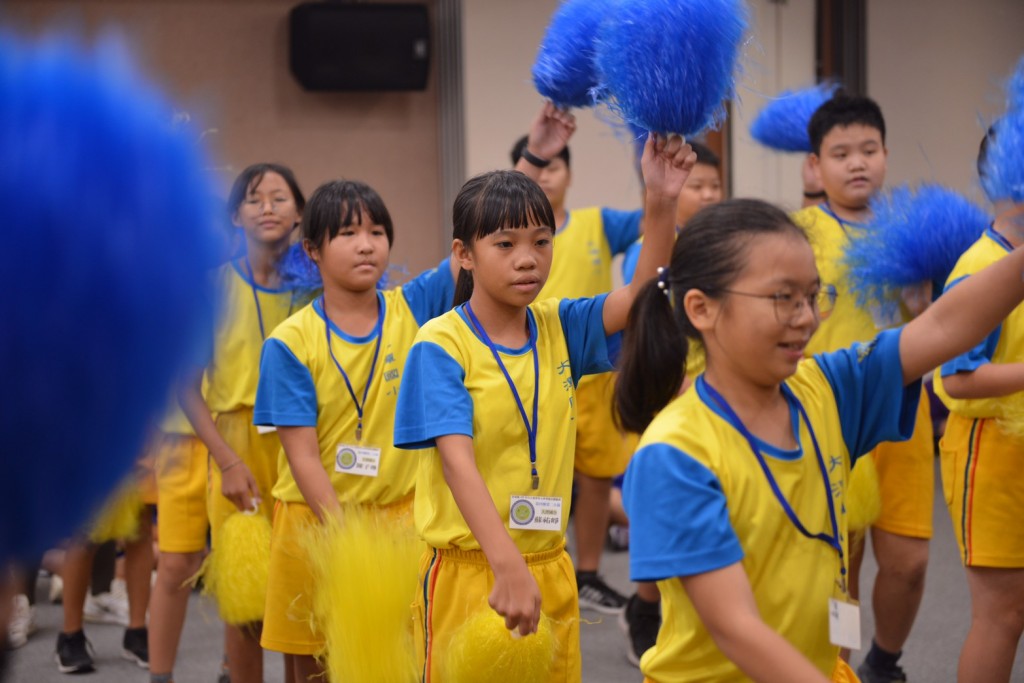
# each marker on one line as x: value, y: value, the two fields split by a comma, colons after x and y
x: 931, y: 653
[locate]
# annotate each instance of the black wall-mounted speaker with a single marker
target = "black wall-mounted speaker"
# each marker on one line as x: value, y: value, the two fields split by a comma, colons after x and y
x: 360, y: 46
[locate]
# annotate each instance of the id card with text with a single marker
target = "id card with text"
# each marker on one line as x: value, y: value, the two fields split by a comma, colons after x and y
x: 535, y: 513
x: 359, y: 460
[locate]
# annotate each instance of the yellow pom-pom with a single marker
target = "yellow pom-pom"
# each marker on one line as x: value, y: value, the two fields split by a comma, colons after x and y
x: 1011, y: 422
x: 863, y: 495
x: 484, y: 650
x: 235, y: 573
x: 365, y: 566
x: 118, y: 520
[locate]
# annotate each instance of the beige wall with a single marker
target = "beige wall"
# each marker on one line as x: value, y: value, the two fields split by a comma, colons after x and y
x: 500, y: 42
x: 228, y: 62
x: 936, y: 68
x: 779, y: 55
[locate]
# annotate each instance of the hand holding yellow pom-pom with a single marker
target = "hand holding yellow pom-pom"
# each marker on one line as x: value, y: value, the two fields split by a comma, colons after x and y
x: 235, y: 573
x: 483, y: 649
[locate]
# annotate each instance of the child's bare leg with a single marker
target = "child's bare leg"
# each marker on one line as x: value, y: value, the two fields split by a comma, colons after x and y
x: 168, y: 606
x: 997, y: 620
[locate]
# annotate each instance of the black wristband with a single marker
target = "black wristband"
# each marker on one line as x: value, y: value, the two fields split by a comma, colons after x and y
x: 534, y: 160
x: 815, y: 195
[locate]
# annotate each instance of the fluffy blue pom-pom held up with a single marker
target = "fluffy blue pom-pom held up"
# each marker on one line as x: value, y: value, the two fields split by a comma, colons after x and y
x: 914, y: 236
x: 782, y: 123
x: 1002, y: 173
x: 564, y: 71
x: 108, y: 236
x: 669, y: 65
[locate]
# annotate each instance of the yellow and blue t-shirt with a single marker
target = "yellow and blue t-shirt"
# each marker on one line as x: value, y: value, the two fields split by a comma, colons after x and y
x: 453, y: 385
x: 848, y: 323
x: 581, y: 264
x: 698, y: 501
x: 300, y: 386
x: 1004, y: 345
x: 233, y: 370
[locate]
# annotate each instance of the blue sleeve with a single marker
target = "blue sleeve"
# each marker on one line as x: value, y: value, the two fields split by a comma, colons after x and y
x: 629, y: 261
x: 976, y: 357
x: 867, y: 382
x: 430, y: 293
x: 678, y: 516
x: 583, y: 326
x: 621, y: 228
x: 285, y: 395
x: 433, y: 400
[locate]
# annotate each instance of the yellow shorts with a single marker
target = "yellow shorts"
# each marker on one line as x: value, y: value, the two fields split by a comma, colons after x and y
x: 258, y: 451
x: 843, y: 673
x: 288, y: 625
x: 288, y: 617
x: 181, y: 462
x: 906, y: 478
x: 456, y: 583
x: 981, y: 479
x: 600, y: 449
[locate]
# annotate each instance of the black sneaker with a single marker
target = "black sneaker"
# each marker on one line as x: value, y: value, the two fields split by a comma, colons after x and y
x: 640, y: 621
x: 869, y: 674
x: 136, y: 646
x: 73, y: 653
x: 597, y: 595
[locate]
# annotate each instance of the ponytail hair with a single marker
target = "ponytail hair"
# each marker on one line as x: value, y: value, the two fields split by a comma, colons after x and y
x: 490, y: 202
x: 709, y: 255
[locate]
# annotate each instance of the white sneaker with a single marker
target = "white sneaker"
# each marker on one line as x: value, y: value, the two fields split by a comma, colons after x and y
x: 56, y: 589
x: 23, y: 622
x: 108, y: 608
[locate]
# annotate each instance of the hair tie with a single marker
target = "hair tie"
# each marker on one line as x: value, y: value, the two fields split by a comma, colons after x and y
x: 663, y: 283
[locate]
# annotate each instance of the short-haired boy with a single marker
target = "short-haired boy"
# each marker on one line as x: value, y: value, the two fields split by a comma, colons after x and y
x: 849, y: 159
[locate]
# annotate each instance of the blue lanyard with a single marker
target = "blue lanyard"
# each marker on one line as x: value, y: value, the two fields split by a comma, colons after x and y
x: 531, y: 431
x: 344, y: 376
x: 255, y: 297
x: 827, y: 208
x: 833, y: 539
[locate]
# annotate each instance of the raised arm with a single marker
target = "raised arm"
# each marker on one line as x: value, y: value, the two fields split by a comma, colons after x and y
x: 725, y: 602
x: 666, y: 163
x: 962, y: 317
x: 515, y: 595
x: 549, y: 134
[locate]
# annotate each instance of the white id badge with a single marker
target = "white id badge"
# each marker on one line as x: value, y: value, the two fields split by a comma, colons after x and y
x: 359, y: 460
x: 535, y: 513
x: 844, y: 624
x: 265, y: 429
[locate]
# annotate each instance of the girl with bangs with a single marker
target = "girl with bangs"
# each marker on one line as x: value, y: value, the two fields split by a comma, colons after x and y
x: 489, y: 389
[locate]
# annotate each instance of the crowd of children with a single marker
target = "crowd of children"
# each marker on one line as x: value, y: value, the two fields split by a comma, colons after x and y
x: 753, y: 379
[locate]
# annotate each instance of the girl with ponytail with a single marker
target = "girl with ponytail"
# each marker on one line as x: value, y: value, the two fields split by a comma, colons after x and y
x: 490, y: 388
x: 736, y: 493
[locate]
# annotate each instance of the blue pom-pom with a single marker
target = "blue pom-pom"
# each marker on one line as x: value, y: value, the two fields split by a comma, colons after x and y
x: 108, y: 236
x: 1002, y: 173
x: 564, y: 70
x: 299, y: 272
x: 669, y: 65
x: 914, y: 236
x: 782, y: 123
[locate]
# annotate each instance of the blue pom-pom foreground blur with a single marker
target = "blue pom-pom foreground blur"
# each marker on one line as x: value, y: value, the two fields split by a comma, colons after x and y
x: 914, y: 236
x: 782, y: 123
x: 669, y: 65
x: 108, y: 236
x: 564, y: 71
x: 1002, y: 173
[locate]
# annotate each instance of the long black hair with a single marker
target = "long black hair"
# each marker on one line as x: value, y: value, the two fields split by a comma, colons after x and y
x: 709, y: 255
x: 492, y: 201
